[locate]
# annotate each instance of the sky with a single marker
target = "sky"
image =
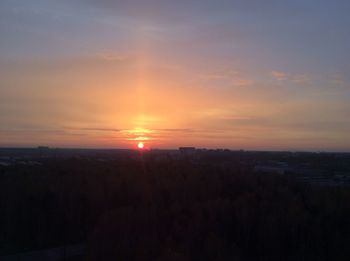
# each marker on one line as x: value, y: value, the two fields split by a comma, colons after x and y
x: 237, y: 74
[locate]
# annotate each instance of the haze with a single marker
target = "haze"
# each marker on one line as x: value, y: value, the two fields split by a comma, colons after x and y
x: 271, y: 75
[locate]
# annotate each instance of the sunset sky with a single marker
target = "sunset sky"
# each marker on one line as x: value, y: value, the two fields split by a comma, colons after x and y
x: 238, y: 74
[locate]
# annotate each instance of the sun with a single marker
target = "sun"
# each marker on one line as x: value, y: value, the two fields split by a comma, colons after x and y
x: 140, y: 145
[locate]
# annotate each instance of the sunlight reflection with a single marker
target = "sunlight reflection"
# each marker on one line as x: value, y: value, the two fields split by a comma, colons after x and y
x: 139, y: 131
x: 138, y: 134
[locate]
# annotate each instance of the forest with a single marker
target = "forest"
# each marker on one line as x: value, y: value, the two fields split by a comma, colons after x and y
x: 143, y: 209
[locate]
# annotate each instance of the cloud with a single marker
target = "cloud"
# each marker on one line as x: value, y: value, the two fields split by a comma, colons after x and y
x: 136, y: 131
x: 175, y: 130
x: 154, y: 134
x: 293, y: 78
x: 337, y: 79
x: 279, y: 75
x: 290, y: 125
x: 228, y: 77
x: 27, y: 130
x: 110, y: 56
x: 242, y: 82
x: 301, y: 79
x: 98, y: 129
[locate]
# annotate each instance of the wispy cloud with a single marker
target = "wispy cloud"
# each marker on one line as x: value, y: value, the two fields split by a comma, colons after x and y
x: 229, y: 77
x: 279, y: 75
x: 337, y: 79
x: 175, y: 130
x: 288, y: 77
x: 98, y: 129
x: 111, y: 56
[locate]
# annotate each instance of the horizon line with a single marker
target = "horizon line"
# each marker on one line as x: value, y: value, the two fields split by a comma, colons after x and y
x: 177, y: 148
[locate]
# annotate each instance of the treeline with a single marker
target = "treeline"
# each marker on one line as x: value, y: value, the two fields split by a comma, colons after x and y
x: 171, y: 210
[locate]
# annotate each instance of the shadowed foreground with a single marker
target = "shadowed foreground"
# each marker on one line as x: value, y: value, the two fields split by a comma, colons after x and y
x: 129, y: 209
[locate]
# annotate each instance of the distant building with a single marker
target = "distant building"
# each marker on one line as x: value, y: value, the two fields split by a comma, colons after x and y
x: 43, y: 147
x: 43, y: 150
x: 187, y: 150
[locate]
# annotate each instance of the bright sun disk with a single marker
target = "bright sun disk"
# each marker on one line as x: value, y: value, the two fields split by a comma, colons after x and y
x: 140, y: 145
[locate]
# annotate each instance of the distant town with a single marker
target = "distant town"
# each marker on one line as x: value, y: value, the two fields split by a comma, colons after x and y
x: 317, y: 168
